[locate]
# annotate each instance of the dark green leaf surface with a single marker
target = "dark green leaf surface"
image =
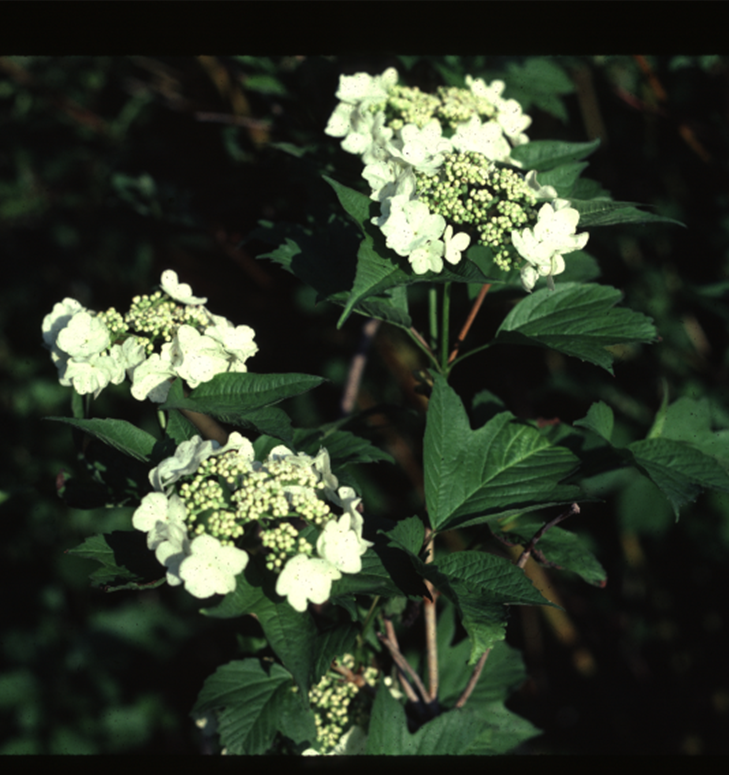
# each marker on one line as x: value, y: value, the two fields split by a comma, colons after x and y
x: 578, y: 320
x: 548, y: 154
x: 250, y: 696
x: 126, y: 562
x: 450, y: 733
x: 502, y: 468
x: 120, y: 434
x: 679, y: 470
x: 561, y: 549
x: 234, y: 397
x: 599, y: 420
x: 289, y: 633
x: 604, y: 212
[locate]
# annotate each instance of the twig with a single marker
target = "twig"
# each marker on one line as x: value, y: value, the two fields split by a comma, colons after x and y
x: 352, y: 677
x: 226, y: 118
x: 404, y: 665
x: 469, y: 321
x: 573, y: 509
x: 473, y: 680
x: 431, y: 644
x: 356, y: 367
x: 209, y: 428
x: 420, y: 339
x: 406, y: 687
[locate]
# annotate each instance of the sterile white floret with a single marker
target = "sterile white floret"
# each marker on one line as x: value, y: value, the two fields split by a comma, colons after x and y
x: 181, y: 292
x: 306, y: 579
x: 211, y: 568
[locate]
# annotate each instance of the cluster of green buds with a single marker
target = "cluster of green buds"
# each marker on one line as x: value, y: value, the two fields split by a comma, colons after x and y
x: 451, y: 105
x: 488, y: 202
x: 338, y: 704
x: 157, y: 317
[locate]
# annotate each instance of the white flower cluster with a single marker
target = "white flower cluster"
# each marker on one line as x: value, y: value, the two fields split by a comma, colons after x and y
x: 93, y: 349
x: 423, y: 152
x: 208, y: 498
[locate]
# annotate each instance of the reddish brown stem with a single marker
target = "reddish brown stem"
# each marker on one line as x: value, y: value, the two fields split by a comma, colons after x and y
x: 473, y: 680
x: 469, y: 321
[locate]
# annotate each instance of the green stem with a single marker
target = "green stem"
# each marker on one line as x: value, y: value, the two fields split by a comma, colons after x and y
x: 162, y: 419
x: 444, y: 330
x: 468, y: 355
x: 424, y: 347
x: 369, y: 617
x: 433, y: 315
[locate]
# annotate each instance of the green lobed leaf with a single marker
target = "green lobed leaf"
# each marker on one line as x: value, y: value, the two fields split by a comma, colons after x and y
x: 329, y: 267
x: 562, y: 178
x: 503, y: 672
x: 548, y: 154
x: 381, y: 574
x: 493, y: 579
x: 503, y: 731
x: 539, y: 81
x: 344, y: 448
x: 484, y: 623
x: 249, y: 696
x: 690, y: 420
x: 291, y: 635
x: 355, y: 203
x: 119, y: 434
x: 679, y: 470
x: 559, y: 548
x: 331, y: 643
x: 503, y: 468
x: 599, y: 420
x: 269, y: 420
x: 449, y: 733
x: 296, y: 722
x: 604, y: 212
x: 179, y: 428
x: 408, y: 534
x: 237, y: 397
x: 578, y: 320
x: 481, y: 590
x: 126, y: 562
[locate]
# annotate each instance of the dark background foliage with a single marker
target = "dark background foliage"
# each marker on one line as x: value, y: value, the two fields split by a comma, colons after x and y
x: 113, y: 169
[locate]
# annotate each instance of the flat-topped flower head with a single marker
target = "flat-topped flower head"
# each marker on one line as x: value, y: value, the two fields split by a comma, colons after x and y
x: 399, y: 133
